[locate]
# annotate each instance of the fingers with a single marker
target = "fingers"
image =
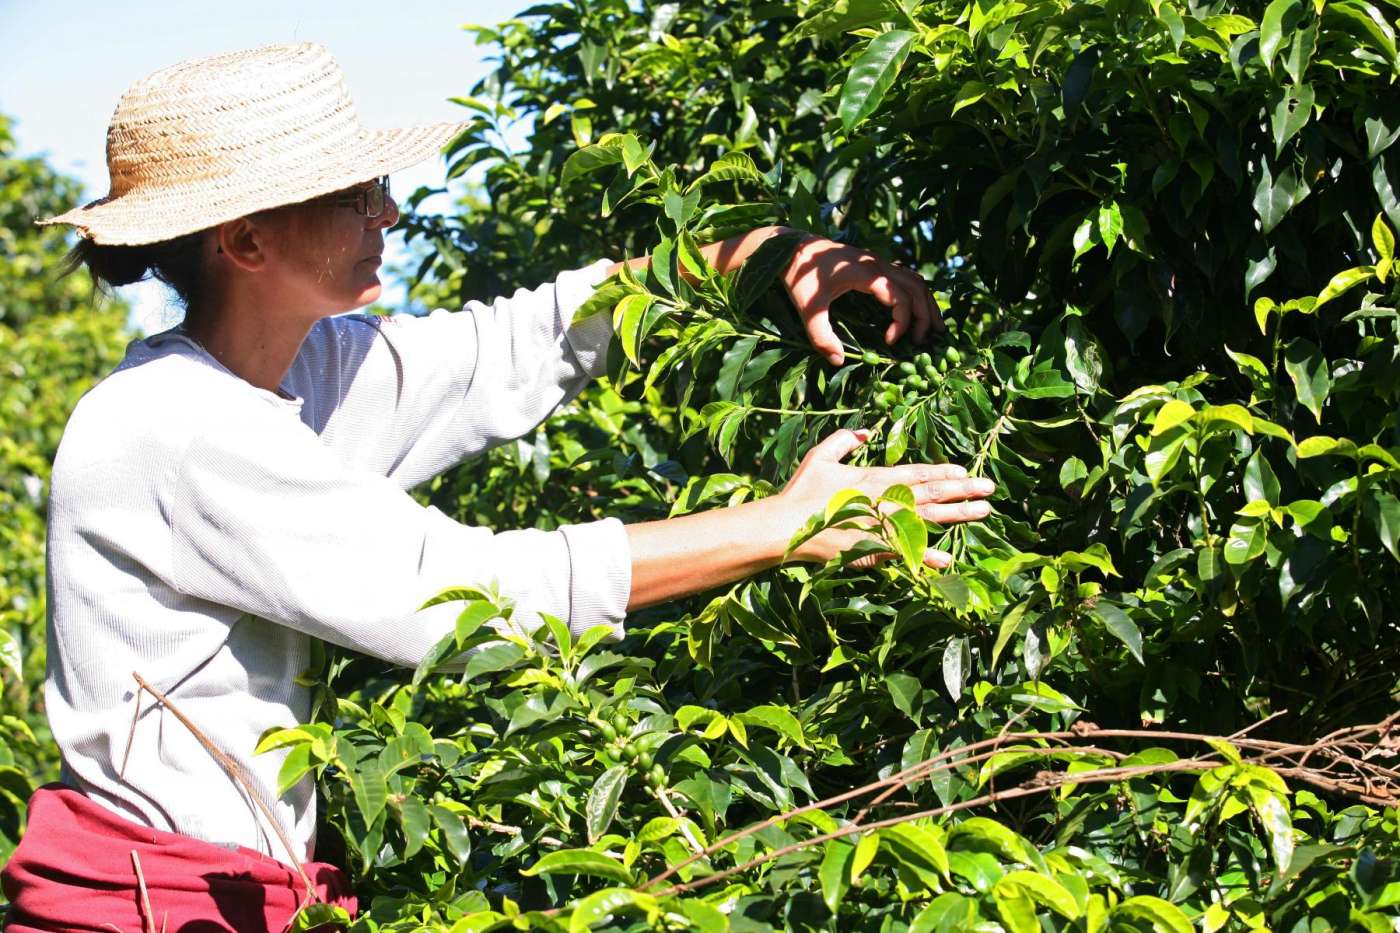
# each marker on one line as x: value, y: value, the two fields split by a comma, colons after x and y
x: 915, y: 474
x: 926, y: 314
x: 954, y: 490
x: 941, y: 560
x: 952, y: 513
x: 837, y: 446
x: 823, y: 337
x: 889, y: 293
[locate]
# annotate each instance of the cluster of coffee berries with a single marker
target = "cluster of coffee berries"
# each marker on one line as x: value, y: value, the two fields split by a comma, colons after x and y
x: 621, y: 747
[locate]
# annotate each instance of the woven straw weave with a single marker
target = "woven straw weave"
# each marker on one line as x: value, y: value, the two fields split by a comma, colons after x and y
x: 212, y: 139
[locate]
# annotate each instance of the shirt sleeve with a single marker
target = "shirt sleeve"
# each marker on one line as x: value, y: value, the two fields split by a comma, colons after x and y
x: 409, y: 397
x: 265, y: 519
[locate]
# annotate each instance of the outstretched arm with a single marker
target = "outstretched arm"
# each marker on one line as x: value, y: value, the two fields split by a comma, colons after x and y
x: 822, y: 270
x: 679, y: 556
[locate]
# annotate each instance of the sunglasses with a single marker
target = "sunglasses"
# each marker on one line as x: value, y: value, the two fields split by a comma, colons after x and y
x: 368, y: 200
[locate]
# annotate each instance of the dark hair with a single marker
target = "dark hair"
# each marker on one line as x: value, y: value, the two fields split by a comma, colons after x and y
x: 178, y: 263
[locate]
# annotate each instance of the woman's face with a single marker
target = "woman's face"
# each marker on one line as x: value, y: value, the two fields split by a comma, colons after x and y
x: 326, y: 256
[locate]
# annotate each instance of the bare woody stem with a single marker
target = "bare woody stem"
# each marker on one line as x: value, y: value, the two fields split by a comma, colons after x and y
x: 1367, y: 780
x: 236, y: 773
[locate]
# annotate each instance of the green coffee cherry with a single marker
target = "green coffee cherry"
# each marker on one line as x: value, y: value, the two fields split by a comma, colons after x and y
x: 645, y: 761
x: 621, y: 724
x: 629, y: 752
x: 918, y: 383
x: 908, y: 368
x: 870, y: 356
x: 657, y: 776
x: 608, y: 732
x: 953, y: 356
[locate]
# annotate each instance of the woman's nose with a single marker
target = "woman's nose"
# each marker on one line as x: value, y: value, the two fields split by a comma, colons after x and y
x: 387, y: 217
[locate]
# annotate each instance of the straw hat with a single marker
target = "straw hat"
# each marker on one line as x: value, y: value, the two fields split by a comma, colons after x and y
x: 213, y: 139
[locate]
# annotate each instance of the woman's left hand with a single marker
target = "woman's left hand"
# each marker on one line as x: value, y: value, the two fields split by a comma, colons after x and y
x: 822, y: 270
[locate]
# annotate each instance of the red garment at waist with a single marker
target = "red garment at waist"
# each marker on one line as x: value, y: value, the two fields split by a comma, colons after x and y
x: 73, y: 871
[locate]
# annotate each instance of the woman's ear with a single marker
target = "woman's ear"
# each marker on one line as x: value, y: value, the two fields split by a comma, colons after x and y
x: 243, y: 242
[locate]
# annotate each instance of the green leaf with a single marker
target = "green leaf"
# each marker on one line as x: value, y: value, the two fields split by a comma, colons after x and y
x: 1170, y: 415
x: 601, y: 805
x: 763, y: 268
x: 590, y: 159
x: 1120, y: 626
x: 1016, y: 910
x: 1274, y: 196
x: 910, y: 537
x: 1260, y: 481
x: 1163, y: 916
x: 1110, y: 225
x: 907, y: 693
x: 732, y: 166
x: 1320, y: 445
x: 370, y: 788
x: 1291, y: 114
x: 1246, y: 542
x: 627, y: 324
x: 917, y: 845
x: 1307, y: 368
x: 1279, y: 18
x: 1344, y: 282
x: 1384, y: 241
x: 415, y: 822
x: 294, y: 768
x: 315, y: 917
x: 456, y: 840
x: 1272, y: 810
x: 1042, y: 889
x: 947, y: 913
x: 601, y: 906
x: 491, y: 659
x: 732, y: 366
x: 834, y: 872
x: 580, y: 862
x: 970, y: 93
x: 872, y: 74
x: 777, y: 718
x: 1012, y: 624
x: 957, y: 659
x: 1383, y: 511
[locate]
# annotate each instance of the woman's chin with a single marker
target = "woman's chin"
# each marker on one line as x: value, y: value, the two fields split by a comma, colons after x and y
x: 369, y: 294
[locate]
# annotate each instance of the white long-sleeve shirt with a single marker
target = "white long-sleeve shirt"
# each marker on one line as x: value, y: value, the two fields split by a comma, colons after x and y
x: 202, y: 531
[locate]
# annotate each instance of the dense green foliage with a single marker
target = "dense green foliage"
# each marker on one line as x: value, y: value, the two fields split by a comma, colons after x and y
x: 52, y: 345
x: 1163, y: 238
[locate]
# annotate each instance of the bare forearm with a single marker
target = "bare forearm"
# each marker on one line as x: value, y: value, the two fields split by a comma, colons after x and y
x: 679, y: 556
x: 724, y: 256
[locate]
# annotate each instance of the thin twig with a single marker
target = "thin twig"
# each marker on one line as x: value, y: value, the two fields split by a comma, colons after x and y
x: 1374, y: 783
x: 665, y: 799
x: 148, y: 916
x: 235, y: 772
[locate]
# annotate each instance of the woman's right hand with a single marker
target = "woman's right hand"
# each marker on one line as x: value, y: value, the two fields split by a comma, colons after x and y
x: 692, y: 553
x: 943, y: 493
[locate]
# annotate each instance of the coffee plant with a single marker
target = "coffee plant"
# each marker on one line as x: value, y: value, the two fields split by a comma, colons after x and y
x: 1158, y: 688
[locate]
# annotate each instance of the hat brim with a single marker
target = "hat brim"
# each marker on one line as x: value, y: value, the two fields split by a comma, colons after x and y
x: 154, y: 214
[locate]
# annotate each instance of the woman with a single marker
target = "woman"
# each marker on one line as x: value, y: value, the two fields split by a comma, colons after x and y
x: 238, y: 487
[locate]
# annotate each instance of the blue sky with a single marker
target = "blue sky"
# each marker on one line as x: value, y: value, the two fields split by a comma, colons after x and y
x: 66, y: 64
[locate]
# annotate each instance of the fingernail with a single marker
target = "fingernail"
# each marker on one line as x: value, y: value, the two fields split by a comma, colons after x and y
x: 980, y: 509
x: 984, y: 486
x: 836, y: 359
x: 937, y: 557
x: 862, y: 433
